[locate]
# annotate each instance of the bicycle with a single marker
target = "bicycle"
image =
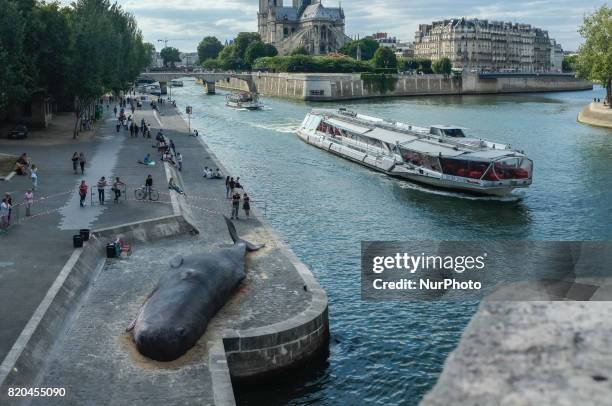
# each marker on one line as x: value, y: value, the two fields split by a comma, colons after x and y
x: 141, y: 194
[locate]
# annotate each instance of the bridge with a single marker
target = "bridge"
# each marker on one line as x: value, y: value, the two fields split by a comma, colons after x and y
x: 208, y: 78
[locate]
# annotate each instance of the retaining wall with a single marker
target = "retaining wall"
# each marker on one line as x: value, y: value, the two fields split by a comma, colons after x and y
x: 333, y: 87
x: 596, y: 114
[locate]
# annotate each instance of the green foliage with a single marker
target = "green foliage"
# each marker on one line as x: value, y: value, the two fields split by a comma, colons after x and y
x: 255, y: 50
x: 242, y: 42
x: 271, y: 50
x: 442, y: 66
x: 301, y: 50
x: 595, y: 55
x: 379, y: 82
x: 211, y: 64
x: 170, y: 56
x: 209, y: 48
x: 419, y: 65
x: 384, y: 58
x: 569, y: 63
x: 368, y: 46
x: 313, y: 64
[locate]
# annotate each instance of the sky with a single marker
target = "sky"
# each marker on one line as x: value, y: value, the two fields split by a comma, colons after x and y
x: 185, y: 22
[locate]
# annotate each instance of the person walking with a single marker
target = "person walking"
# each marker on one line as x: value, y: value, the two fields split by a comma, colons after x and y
x: 75, y: 162
x: 82, y: 193
x: 5, y: 210
x: 179, y: 161
x: 172, y: 147
x: 9, y: 201
x: 246, y: 205
x: 235, y: 205
x: 101, y: 185
x: 232, y: 185
x: 115, y: 111
x: 117, y: 188
x: 149, y: 186
x: 131, y: 130
x: 28, y: 198
x: 82, y: 162
x: 227, y: 187
x: 34, y: 176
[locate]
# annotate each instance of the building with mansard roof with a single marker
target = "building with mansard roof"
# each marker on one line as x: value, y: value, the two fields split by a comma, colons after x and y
x: 307, y: 23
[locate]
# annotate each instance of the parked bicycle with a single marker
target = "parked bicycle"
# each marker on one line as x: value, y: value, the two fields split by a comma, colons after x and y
x: 142, y: 194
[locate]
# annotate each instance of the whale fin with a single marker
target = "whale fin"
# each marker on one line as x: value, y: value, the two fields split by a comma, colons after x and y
x: 250, y: 247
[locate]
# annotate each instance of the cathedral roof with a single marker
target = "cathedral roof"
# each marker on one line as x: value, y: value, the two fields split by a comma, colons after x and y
x: 318, y: 12
x: 288, y: 13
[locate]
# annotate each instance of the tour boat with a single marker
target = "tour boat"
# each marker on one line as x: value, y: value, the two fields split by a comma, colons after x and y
x: 244, y: 100
x: 440, y: 156
x: 176, y: 83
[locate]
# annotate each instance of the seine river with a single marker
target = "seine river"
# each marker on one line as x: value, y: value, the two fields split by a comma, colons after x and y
x: 324, y: 206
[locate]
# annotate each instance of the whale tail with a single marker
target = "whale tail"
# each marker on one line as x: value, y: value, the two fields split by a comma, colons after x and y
x: 250, y: 247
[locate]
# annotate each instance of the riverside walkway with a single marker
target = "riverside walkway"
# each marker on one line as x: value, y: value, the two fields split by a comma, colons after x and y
x: 276, y: 319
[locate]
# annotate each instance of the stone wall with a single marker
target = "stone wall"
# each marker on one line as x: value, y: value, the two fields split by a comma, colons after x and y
x: 333, y: 87
x: 596, y: 114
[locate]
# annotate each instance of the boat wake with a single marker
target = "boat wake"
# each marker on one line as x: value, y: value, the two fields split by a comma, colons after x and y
x: 281, y: 128
x: 514, y: 197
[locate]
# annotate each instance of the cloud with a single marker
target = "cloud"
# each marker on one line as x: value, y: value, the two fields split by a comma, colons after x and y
x: 185, y: 22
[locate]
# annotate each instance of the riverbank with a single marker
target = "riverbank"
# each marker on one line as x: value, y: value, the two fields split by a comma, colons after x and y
x: 334, y: 87
x: 275, y: 321
x: 596, y: 114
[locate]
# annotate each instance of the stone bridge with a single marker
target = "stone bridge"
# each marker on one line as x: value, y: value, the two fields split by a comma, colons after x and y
x: 208, y: 78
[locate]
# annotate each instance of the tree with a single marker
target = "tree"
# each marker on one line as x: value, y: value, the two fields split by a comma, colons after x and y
x: 421, y: 65
x: 595, y: 55
x: 385, y: 58
x: 442, y: 66
x: 209, y: 48
x: 368, y: 47
x: 243, y: 40
x: 271, y: 50
x: 569, y: 63
x: 149, y: 51
x: 255, y: 50
x: 301, y: 50
x: 170, y: 56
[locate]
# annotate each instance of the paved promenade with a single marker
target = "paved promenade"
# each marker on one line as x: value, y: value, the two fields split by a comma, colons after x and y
x: 34, y: 251
x: 97, y: 359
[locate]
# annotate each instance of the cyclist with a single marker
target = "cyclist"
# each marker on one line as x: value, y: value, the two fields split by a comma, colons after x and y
x: 149, y: 186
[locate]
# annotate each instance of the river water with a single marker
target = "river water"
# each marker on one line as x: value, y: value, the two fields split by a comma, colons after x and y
x: 324, y: 206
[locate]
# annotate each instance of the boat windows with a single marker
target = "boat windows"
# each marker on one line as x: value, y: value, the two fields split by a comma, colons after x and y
x: 447, y: 132
x: 510, y: 168
x: 418, y: 159
x: 464, y: 168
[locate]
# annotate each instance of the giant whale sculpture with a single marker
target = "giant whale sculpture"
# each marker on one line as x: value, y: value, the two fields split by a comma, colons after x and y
x: 177, y: 312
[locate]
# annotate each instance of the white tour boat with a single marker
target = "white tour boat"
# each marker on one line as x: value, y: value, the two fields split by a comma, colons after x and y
x: 176, y: 83
x: 244, y: 100
x: 439, y: 156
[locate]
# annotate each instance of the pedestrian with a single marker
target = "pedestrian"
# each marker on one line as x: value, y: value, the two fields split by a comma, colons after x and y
x: 117, y: 188
x: 101, y: 185
x: 28, y: 199
x: 5, y: 210
x: 82, y: 193
x: 246, y: 205
x: 235, y: 205
x: 149, y: 186
x: 82, y: 162
x: 9, y: 201
x: 172, y: 147
x: 75, y: 162
x: 115, y: 111
x: 136, y: 130
x: 179, y: 161
x: 195, y: 132
x: 131, y: 130
x: 232, y: 185
x: 227, y: 186
x: 34, y: 176
x: 173, y: 186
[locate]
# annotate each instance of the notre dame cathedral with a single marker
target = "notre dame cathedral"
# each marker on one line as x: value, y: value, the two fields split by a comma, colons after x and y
x: 307, y: 23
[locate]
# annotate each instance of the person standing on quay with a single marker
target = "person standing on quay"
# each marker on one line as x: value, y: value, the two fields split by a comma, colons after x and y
x: 28, y: 198
x: 75, y: 162
x: 82, y: 193
x: 5, y: 213
x: 179, y: 161
x: 82, y: 162
x: 117, y: 188
x: 101, y: 185
x: 149, y: 186
x: 246, y: 205
x: 115, y: 111
x: 227, y: 187
x: 9, y: 201
x: 232, y: 186
x: 235, y: 205
x: 34, y: 176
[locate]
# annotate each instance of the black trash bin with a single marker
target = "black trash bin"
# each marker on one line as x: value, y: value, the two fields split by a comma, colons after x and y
x: 77, y: 241
x: 85, y: 234
x: 110, y: 251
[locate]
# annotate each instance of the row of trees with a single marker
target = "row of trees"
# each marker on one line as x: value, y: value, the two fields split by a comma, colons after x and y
x: 241, y: 54
x: 74, y: 54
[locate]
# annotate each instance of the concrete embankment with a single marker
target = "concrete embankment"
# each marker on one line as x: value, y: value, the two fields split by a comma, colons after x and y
x: 276, y: 320
x: 333, y: 87
x: 596, y: 114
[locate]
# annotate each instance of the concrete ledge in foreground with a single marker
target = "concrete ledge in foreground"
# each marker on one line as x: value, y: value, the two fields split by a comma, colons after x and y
x: 596, y: 114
